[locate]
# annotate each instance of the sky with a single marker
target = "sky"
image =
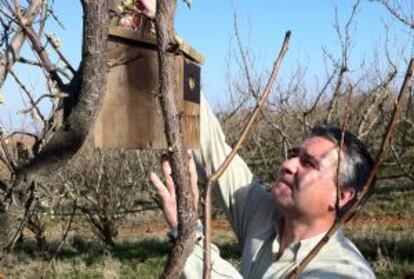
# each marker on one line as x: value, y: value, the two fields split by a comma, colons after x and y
x: 209, y: 27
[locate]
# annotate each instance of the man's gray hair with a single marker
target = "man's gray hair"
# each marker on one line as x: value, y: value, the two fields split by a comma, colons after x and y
x: 356, y: 162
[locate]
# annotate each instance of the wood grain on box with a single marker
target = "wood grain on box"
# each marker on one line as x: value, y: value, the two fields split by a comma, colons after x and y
x: 131, y: 115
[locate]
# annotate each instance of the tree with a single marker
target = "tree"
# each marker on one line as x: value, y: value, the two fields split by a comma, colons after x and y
x: 76, y: 95
x: 187, y: 214
x: 72, y: 119
x: 73, y: 116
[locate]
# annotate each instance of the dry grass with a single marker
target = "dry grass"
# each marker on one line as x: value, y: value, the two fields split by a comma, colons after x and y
x: 142, y: 250
x: 383, y: 233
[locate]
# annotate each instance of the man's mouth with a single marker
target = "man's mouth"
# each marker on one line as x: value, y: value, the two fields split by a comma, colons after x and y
x: 287, y: 183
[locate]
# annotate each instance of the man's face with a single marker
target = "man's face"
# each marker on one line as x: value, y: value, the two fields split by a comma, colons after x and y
x: 306, y: 187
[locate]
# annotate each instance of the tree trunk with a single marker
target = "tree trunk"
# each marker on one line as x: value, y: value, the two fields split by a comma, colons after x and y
x: 187, y: 215
x: 90, y: 91
x: 70, y: 136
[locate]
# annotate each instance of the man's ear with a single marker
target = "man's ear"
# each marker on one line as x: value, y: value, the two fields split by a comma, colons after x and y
x: 347, y: 194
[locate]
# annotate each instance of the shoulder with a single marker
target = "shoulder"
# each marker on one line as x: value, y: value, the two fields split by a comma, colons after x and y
x: 341, y: 258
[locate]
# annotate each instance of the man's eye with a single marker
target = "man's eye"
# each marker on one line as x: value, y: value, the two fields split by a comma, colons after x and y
x: 294, y: 152
x: 308, y: 163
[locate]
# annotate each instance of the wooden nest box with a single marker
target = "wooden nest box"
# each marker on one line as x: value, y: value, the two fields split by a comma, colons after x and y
x: 131, y: 116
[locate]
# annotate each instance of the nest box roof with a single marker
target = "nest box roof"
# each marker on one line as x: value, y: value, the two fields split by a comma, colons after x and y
x: 149, y: 38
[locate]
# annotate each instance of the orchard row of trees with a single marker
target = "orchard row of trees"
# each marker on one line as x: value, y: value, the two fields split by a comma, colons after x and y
x: 58, y: 174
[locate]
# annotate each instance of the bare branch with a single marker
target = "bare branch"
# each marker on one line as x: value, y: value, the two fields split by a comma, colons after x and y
x: 43, y: 56
x: 64, y: 236
x: 9, y: 163
x: 51, y: 96
x: 52, y: 13
x: 346, y: 44
x: 27, y: 209
x: 244, y: 59
x: 214, y: 177
x: 29, y: 96
x: 379, y: 95
x: 60, y: 54
x: 187, y: 214
x: 12, y: 52
x: 40, y: 65
x: 400, y: 164
x: 29, y: 62
x: 397, y: 14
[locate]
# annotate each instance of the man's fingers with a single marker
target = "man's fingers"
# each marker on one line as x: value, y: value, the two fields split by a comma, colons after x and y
x: 166, y: 170
x: 159, y: 186
x: 169, y: 206
x: 150, y: 6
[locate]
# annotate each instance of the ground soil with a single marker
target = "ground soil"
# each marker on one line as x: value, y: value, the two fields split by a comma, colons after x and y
x: 395, y: 220
x: 221, y: 226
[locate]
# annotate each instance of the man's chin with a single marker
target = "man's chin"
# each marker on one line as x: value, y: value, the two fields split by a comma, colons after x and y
x: 282, y: 199
x: 284, y: 207
x: 281, y: 190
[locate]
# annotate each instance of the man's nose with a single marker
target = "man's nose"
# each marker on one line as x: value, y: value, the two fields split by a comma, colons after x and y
x: 289, y: 166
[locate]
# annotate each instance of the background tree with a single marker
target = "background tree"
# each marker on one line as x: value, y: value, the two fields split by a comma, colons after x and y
x: 65, y: 132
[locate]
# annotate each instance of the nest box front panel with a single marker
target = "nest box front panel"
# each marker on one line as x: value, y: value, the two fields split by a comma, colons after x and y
x: 131, y: 116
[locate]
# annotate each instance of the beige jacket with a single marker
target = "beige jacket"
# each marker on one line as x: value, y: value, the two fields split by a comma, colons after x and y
x: 253, y: 217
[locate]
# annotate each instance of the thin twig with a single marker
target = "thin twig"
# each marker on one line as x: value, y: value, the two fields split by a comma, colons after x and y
x: 29, y: 95
x: 360, y: 196
x: 244, y: 59
x: 379, y: 96
x: 51, y: 96
x: 10, y: 17
x: 346, y: 43
x: 52, y: 13
x: 29, y: 62
x: 400, y: 164
x: 321, y: 93
x: 405, y: 20
x: 64, y: 236
x: 278, y: 128
x: 60, y: 54
x: 26, y: 214
x: 39, y: 49
x: 214, y: 178
x: 10, y: 163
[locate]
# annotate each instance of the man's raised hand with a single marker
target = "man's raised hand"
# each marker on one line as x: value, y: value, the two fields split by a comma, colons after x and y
x: 167, y: 191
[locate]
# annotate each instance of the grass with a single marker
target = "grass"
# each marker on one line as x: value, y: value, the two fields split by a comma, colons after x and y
x: 89, y: 259
x: 382, y: 232
x: 390, y: 251
x: 144, y: 257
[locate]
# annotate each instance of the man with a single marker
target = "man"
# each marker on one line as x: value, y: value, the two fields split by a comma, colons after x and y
x: 276, y: 231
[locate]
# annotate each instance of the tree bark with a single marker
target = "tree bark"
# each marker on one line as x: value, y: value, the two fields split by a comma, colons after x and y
x: 67, y: 140
x: 187, y: 215
x: 90, y: 90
